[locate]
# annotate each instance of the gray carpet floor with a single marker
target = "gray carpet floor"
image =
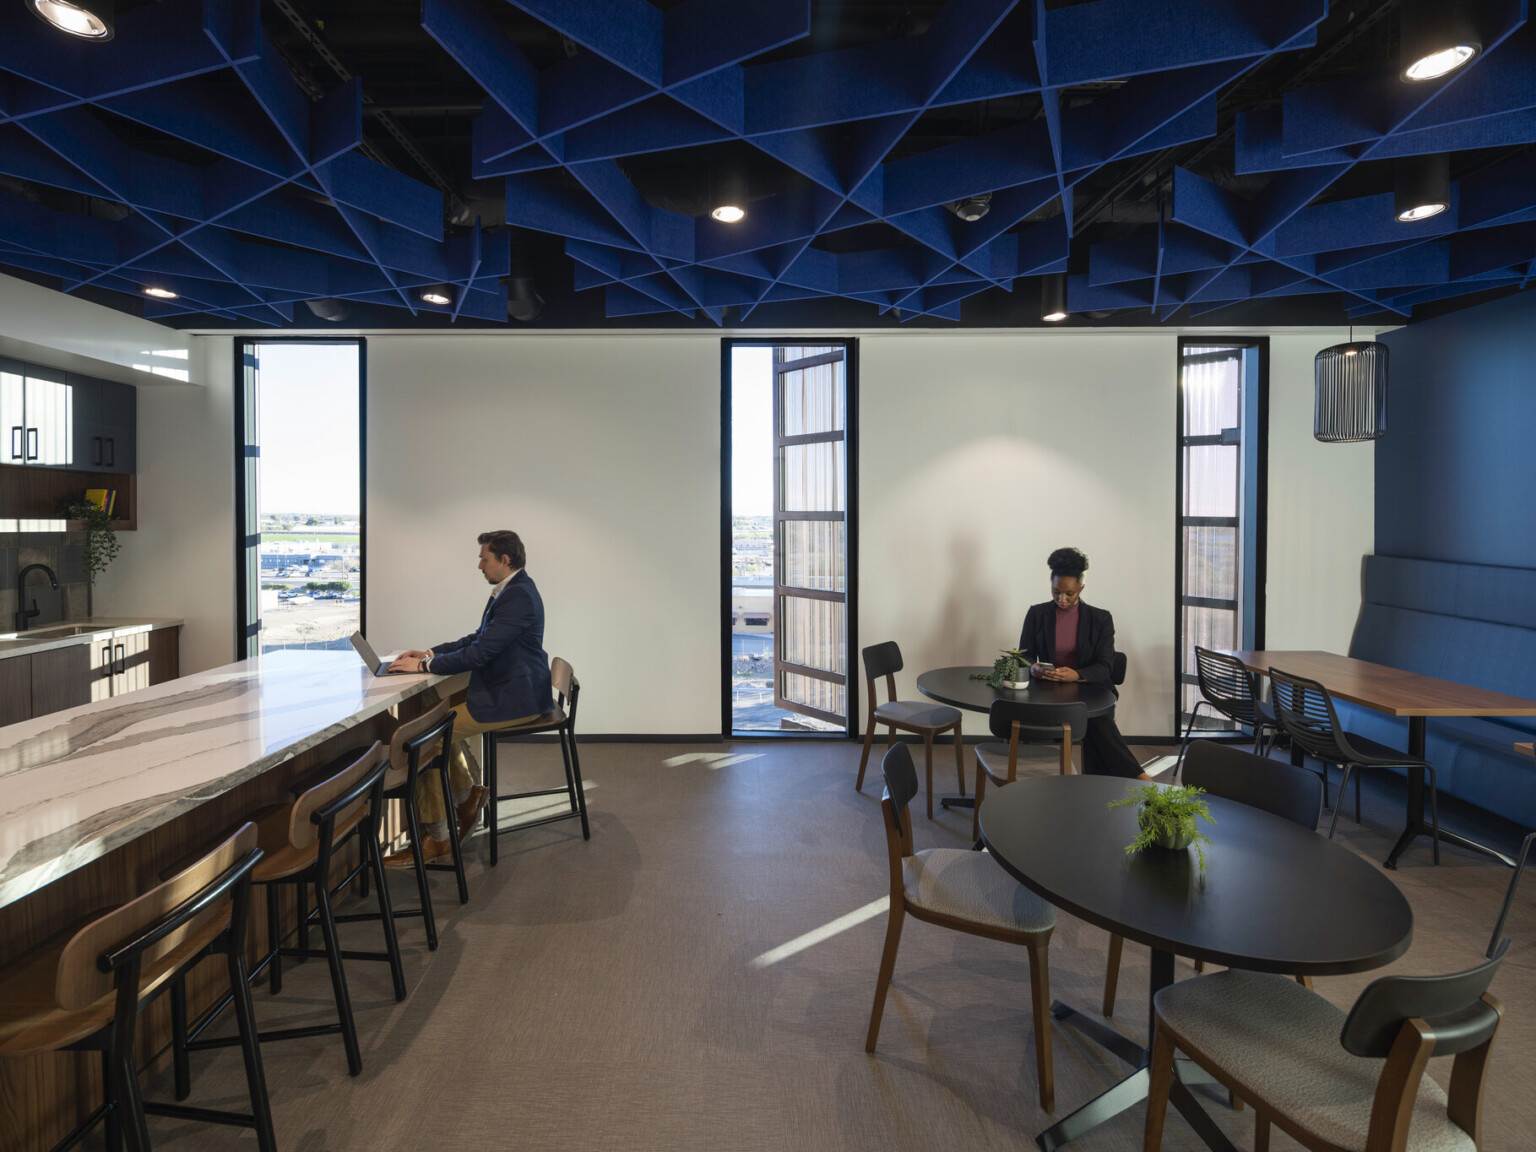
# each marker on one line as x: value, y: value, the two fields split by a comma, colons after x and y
x: 654, y: 988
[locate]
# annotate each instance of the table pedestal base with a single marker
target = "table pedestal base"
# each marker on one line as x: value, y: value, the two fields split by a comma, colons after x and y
x: 1133, y: 1088
x: 949, y: 802
x: 1415, y: 825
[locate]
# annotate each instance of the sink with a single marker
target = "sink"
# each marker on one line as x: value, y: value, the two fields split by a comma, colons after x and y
x: 52, y: 632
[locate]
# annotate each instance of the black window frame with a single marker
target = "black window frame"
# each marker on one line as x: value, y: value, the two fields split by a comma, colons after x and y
x: 1260, y: 345
x: 243, y: 348
x: 851, y: 463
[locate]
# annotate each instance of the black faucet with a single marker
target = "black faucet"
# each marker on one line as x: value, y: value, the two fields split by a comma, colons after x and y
x: 25, y: 614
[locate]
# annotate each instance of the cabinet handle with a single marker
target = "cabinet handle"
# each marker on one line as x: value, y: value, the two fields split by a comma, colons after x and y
x: 111, y: 452
x: 106, y: 655
x: 16, y: 443
x: 122, y: 659
x: 31, y: 443
x: 96, y: 449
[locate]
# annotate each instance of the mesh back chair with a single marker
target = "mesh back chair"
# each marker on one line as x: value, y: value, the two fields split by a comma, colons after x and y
x: 1509, y: 893
x: 925, y: 719
x: 968, y: 892
x: 1229, y: 690
x: 1031, y: 730
x: 1307, y: 715
x: 83, y: 990
x: 1330, y: 1080
x: 1272, y: 786
x: 301, y: 841
x: 561, y: 720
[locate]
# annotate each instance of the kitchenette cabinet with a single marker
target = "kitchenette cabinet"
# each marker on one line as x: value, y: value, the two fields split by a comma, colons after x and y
x: 109, y: 664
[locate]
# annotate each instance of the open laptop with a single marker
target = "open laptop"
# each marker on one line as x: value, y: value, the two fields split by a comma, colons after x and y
x: 371, y: 658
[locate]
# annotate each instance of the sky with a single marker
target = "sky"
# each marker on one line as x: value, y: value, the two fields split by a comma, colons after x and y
x: 751, y: 431
x: 309, y: 428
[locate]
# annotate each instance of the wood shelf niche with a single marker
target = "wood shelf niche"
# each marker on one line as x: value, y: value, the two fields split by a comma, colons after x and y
x: 28, y: 492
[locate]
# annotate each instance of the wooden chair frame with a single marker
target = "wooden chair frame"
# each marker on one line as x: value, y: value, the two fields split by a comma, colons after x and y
x: 983, y: 773
x: 917, y: 729
x: 1391, y: 1109
x: 898, y: 840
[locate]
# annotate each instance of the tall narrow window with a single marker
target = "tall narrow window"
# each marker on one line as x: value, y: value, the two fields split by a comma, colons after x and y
x: 300, y: 497
x: 789, y: 525
x: 1223, y: 407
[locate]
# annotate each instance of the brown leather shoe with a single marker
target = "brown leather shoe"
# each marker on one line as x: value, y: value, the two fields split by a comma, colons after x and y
x: 430, y: 850
x: 469, y: 811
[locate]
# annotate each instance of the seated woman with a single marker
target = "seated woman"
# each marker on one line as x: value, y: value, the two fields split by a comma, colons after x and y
x: 1080, y: 641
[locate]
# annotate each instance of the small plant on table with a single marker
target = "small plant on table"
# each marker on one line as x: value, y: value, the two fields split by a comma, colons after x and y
x: 1169, y: 818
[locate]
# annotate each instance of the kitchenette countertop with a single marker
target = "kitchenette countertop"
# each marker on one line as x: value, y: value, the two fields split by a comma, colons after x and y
x: 78, y: 783
x: 62, y: 633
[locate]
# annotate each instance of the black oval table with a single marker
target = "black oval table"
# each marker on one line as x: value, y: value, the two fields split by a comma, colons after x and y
x: 954, y: 686
x: 1273, y: 898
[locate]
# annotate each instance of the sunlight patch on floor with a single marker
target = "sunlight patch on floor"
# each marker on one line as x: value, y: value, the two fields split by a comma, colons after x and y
x: 825, y: 932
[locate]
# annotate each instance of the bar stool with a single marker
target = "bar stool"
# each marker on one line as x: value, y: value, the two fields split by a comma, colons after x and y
x: 300, y: 840
x: 560, y: 719
x: 410, y: 742
x: 83, y: 989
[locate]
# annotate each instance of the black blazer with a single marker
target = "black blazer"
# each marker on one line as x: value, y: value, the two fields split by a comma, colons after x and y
x: 1095, y: 640
x: 508, y: 669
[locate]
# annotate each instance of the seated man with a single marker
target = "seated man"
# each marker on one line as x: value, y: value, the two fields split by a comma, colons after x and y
x: 1080, y: 641
x: 508, y: 684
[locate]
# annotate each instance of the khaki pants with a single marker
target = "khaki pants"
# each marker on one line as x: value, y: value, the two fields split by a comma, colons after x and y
x: 463, y: 764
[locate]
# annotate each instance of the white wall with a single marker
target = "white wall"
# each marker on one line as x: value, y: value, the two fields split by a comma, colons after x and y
x: 603, y: 454
x: 181, y: 561
x: 979, y: 453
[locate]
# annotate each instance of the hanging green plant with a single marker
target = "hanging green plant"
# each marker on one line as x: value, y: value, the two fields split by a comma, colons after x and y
x: 1169, y: 818
x: 1005, y: 669
x: 101, y: 542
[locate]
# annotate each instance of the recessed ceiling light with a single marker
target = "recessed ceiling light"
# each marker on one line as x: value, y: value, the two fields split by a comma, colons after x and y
x: 160, y: 293
x: 729, y: 213
x: 1053, y: 298
x: 438, y: 296
x: 1421, y: 212
x: 1438, y: 64
x: 93, y: 23
x: 1421, y: 187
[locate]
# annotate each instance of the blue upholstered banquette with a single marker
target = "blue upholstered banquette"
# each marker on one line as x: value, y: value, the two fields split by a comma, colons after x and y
x: 1470, y: 623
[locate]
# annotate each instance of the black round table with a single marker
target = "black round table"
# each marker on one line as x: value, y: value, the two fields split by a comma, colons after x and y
x: 1274, y: 898
x: 954, y: 686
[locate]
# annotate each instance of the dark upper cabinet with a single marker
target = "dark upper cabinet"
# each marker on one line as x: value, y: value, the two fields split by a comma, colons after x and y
x: 105, y: 425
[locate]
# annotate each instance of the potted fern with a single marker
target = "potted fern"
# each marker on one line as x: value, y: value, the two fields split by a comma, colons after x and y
x: 1169, y: 818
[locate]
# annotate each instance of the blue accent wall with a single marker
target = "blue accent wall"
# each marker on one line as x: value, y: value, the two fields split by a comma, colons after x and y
x: 1456, y: 471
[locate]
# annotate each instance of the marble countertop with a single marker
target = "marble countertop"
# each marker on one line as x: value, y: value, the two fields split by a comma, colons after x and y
x: 63, y: 633
x: 78, y: 783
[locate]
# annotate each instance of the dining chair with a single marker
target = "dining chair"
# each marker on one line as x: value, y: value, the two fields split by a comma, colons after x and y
x: 964, y: 891
x: 1229, y: 690
x: 1307, y: 715
x: 85, y: 988
x: 561, y: 720
x: 1335, y: 1082
x: 1030, y: 729
x: 1273, y: 786
x: 919, y: 717
x: 1509, y: 893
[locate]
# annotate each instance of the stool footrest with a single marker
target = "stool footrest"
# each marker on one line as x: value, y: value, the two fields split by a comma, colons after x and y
x: 203, y: 1115
x: 263, y: 1037
x: 541, y: 792
x: 354, y: 917
x: 536, y: 823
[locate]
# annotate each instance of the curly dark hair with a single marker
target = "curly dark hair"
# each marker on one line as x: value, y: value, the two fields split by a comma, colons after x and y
x: 1067, y: 562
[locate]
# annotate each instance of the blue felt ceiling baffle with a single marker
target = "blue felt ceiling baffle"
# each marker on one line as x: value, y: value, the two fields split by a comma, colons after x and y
x: 1351, y: 393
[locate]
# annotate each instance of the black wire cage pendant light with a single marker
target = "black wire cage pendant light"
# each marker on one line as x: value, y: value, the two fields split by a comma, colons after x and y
x: 1351, y: 392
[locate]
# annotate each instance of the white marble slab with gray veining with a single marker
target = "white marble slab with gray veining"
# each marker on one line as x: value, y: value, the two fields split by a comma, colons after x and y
x: 78, y: 783
x: 63, y: 633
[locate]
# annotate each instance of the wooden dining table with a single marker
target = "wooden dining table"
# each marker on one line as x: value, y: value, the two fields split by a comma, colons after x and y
x: 1396, y: 692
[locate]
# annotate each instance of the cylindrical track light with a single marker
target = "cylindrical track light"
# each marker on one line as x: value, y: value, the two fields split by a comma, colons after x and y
x: 1421, y: 187
x: 1053, y: 297
x: 90, y: 21
x: 1438, y: 37
x: 728, y: 192
x: 439, y: 294
x: 159, y: 293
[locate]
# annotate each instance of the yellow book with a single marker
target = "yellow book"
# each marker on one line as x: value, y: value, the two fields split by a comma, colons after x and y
x: 98, y: 497
x: 111, y: 500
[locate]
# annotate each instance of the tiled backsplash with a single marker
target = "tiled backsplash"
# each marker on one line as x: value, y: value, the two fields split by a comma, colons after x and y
x: 64, y: 552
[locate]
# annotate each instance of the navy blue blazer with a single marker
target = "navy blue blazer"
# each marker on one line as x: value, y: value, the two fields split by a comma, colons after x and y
x: 508, y: 668
x: 1095, y: 640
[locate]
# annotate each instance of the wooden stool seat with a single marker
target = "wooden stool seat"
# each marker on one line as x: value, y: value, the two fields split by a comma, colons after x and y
x: 561, y: 719
x: 554, y: 718
x: 281, y: 859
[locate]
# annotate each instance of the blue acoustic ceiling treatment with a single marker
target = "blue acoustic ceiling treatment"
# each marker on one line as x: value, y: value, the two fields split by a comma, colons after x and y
x: 1267, y: 160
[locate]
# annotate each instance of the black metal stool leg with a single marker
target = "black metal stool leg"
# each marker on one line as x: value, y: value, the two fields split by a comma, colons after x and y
x: 581, y: 791
x: 130, y: 1104
x: 339, y: 978
x: 369, y: 831
x: 1357, y: 799
x: 570, y: 781
x: 413, y: 824
x: 302, y: 896
x: 274, y: 939
x: 250, y: 1050
x: 492, y: 820
x: 112, y: 1124
x: 455, y: 844
x: 179, y: 1055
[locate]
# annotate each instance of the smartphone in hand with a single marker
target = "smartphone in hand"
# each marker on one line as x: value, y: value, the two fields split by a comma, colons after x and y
x: 1042, y: 666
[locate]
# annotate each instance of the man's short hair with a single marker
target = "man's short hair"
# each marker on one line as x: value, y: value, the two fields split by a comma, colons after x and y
x: 506, y: 544
x: 1067, y: 562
